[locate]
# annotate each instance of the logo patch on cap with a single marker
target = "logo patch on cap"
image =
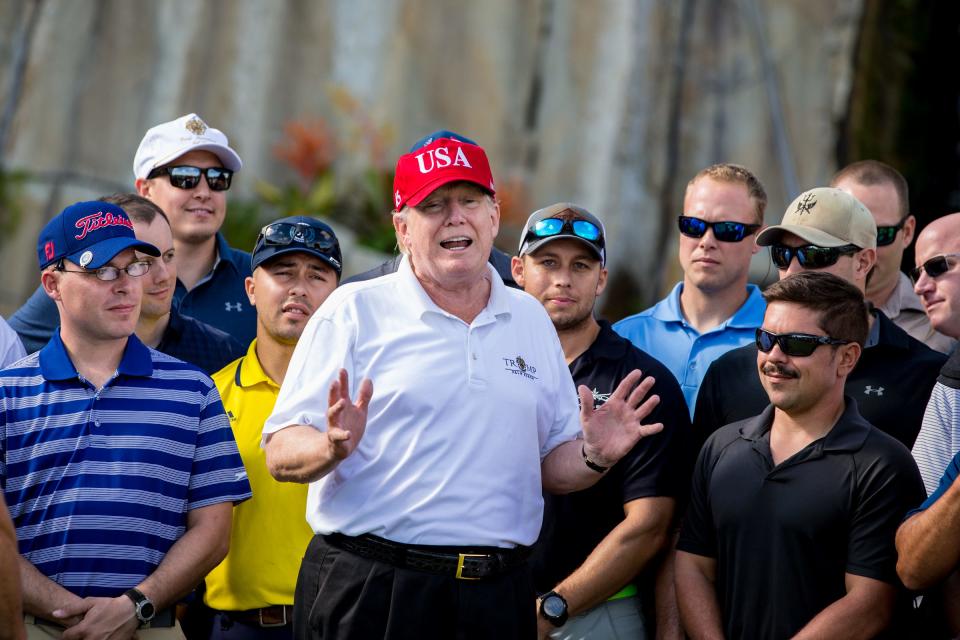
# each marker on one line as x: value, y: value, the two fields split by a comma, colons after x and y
x: 86, y: 258
x: 196, y: 126
x: 806, y: 205
x: 49, y: 250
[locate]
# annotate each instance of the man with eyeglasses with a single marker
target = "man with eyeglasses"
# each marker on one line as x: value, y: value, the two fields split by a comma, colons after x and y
x: 826, y: 229
x: 185, y: 168
x: 449, y: 407
x: 597, y: 554
x: 883, y: 191
x: 937, y: 282
x: 296, y: 264
x: 713, y: 309
x: 792, y: 515
x: 120, y: 469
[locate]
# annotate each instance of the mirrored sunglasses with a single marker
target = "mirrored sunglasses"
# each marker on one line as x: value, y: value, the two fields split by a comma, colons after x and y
x: 724, y: 231
x: 187, y: 177
x: 886, y: 235
x: 284, y: 233
x: 809, y: 256
x: 556, y: 226
x: 799, y: 345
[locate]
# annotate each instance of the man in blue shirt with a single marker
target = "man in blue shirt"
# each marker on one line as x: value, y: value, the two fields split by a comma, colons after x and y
x: 118, y: 463
x: 714, y: 309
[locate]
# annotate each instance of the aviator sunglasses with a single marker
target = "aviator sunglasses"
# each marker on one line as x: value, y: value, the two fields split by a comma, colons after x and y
x: 809, y: 256
x: 555, y: 226
x: 724, y: 231
x: 798, y: 345
x: 283, y: 233
x: 935, y: 266
x: 187, y: 177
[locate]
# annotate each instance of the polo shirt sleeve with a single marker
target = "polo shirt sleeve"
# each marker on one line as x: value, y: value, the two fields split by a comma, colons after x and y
x: 698, y: 534
x: 565, y: 425
x: 325, y: 347
x: 888, y: 486
x: 218, y: 474
x: 948, y: 478
x: 939, y: 432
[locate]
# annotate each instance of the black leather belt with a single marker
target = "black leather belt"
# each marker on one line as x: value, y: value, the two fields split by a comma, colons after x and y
x: 472, y: 564
x: 277, y: 615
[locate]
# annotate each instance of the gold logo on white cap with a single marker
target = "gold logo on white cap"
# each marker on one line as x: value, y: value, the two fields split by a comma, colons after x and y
x: 196, y: 126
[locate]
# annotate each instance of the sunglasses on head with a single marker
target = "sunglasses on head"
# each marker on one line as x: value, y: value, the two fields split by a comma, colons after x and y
x: 555, y: 226
x: 886, y: 235
x: 935, y: 266
x: 187, y: 177
x: 284, y: 233
x: 798, y: 345
x: 810, y: 256
x: 724, y: 231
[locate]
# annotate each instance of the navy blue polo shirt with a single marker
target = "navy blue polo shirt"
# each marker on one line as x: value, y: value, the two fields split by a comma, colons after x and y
x: 199, y: 343
x: 220, y: 298
x: 574, y: 524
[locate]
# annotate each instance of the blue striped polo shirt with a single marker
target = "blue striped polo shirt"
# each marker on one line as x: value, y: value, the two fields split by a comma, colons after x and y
x: 99, y: 482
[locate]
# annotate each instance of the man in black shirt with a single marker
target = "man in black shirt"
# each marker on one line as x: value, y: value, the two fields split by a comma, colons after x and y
x: 598, y: 551
x: 828, y: 230
x: 790, y: 530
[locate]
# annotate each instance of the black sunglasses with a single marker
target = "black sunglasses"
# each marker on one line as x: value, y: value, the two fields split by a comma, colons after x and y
x: 556, y: 226
x: 809, y: 256
x: 798, y: 345
x: 935, y: 266
x: 284, y: 233
x: 724, y: 231
x: 187, y: 177
x: 886, y: 235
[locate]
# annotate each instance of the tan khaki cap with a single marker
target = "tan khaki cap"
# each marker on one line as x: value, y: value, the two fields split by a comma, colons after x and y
x: 825, y: 217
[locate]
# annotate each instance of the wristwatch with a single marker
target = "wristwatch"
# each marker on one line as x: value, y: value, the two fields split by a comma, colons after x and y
x: 142, y: 606
x: 553, y: 608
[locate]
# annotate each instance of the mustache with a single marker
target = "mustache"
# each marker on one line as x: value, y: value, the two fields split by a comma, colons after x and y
x: 780, y: 370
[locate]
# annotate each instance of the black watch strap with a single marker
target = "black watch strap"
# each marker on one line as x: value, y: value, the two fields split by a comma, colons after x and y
x: 143, y: 607
x: 553, y: 608
x: 593, y: 466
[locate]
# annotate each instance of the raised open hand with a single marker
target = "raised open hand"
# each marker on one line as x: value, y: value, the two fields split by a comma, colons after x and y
x: 611, y: 430
x: 346, y: 420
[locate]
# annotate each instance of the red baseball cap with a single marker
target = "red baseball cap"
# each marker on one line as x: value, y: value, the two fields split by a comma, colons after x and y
x: 434, y: 161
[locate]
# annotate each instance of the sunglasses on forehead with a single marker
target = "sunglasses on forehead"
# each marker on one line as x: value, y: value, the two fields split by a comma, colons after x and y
x: 187, y: 177
x: 284, y: 233
x: 886, y: 235
x: 555, y: 226
x: 724, y: 231
x: 799, y: 345
x: 809, y: 256
x: 934, y: 267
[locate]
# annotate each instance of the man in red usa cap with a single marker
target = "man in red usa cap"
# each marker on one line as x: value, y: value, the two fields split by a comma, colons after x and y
x: 450, y: 407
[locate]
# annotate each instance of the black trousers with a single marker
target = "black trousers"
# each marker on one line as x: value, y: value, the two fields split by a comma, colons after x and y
x: 344, y: 596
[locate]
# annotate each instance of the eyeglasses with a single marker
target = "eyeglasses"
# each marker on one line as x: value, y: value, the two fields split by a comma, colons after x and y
x: 724, y: 231
x: 935, y: 266
x: 555, y: 226
x: 799, y: 345
x: 187, y: 177
x: 809, y: 256
x: 109, y: 272
x: 886, y: 235
x: 283, y: 233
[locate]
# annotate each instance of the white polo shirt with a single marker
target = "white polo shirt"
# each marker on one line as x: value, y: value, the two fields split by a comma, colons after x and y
x: 460, y: 419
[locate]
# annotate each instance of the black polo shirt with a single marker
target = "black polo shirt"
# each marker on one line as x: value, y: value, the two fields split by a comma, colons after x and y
x: 891, y: 384
x: 199, y: 343
x: 784, y: 536
x: 574, y: 524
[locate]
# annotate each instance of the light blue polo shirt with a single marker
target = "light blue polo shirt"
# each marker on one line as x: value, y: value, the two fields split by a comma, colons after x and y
x: 665, y: 334
x: 100, y: 481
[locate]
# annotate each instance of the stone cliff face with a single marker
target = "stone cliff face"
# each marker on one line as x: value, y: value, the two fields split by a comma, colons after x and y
x: 611, y: 104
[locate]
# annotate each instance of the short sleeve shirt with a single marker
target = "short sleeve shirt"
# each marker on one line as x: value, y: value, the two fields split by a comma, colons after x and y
x: 784, y: 535
x: 939, y: 437
x: 460, y: 419
x: 99, y: 481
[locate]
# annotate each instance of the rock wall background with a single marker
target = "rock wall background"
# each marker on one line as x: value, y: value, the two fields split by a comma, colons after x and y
x: 613, y: 104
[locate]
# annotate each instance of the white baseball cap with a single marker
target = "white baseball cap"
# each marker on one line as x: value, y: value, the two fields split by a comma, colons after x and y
x: 170, y: 140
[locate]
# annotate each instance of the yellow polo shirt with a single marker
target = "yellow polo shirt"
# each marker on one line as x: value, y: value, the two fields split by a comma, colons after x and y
x: 270, y: 531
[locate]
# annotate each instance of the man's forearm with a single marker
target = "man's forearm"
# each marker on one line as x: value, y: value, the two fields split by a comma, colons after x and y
x: 851, y: 617
x: 665, y: 595
x: 299, y: 453
x: 200, y: 549
x: 619, y: 557
x: 697, y: 597
x: 564, y: 471
x: 41, y: 595
x: 927, y: 549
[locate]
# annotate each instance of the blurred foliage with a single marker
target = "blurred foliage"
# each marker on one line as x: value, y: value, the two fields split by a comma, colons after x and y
x: 11, y: 201
x: 337, y: 172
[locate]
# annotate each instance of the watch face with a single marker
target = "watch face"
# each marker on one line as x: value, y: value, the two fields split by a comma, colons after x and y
x: 146, y: 611
x: 553, y: 607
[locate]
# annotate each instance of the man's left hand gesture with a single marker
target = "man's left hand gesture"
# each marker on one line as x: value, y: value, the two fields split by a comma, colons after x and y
x: 611, y: 430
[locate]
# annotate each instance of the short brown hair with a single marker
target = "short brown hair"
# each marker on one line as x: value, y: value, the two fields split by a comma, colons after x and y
x: 872, y: 172
x: 729, y: 172
x: 840, y: 305
x: 136, y: 207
